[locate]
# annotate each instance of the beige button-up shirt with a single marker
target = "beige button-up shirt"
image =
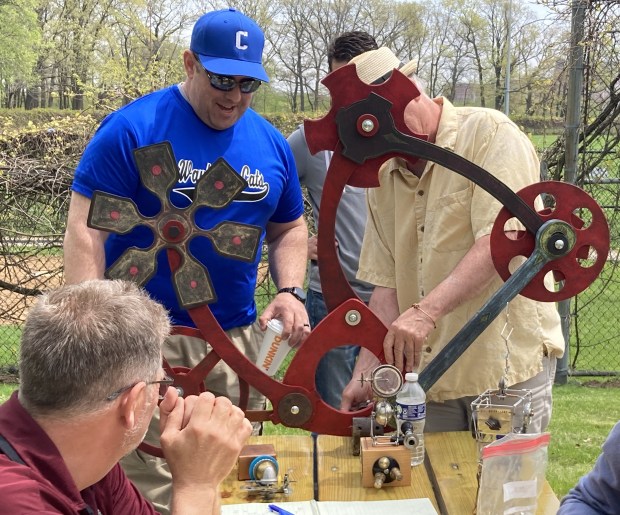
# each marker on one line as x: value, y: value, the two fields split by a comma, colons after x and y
x: 419, y: 229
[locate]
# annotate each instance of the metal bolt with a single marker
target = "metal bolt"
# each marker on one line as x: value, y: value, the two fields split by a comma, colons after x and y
x: 383, y: 462
x: 353, y: 317
x: 368, y: 125
x: 559, y: 244
x: 295, y: 410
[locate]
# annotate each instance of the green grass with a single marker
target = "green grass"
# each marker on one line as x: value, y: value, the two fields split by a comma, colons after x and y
x: 542, y: 141
x: 6, y: 389
x: 582, y: 418
x: 9, y: 345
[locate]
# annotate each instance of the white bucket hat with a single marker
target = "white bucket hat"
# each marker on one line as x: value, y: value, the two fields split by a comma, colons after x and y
x: 376, y: 66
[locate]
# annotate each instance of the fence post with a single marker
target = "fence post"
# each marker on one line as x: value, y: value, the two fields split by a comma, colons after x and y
x: 572, y: 126
x: 561, y: 371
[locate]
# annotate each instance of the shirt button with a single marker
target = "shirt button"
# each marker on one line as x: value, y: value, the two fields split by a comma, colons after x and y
x: 421, y: 228
x: 420, y: 192
x: 428, y: 349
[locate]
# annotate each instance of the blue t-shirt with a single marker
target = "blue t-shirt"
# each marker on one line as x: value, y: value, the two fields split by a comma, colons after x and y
x: 253, y: 147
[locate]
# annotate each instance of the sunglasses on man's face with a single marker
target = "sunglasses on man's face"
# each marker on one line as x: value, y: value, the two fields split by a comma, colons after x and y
x: 228, y: 83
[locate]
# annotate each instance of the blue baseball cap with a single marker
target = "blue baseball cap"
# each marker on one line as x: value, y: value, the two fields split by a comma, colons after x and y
x: 229, y: 43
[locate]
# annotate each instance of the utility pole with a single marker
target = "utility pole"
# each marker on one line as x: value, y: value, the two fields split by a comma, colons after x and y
x: 571, y: 127
x: 508, y: 57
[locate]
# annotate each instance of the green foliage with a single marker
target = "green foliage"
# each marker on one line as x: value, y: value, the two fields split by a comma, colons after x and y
x: 136, y: 81
x: 286, y: 123
x: 17, y: 119
x: 45, y: 134
x: 19, y: 37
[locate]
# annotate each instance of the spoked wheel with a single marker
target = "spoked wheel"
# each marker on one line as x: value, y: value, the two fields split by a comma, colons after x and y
x: 573, y: 271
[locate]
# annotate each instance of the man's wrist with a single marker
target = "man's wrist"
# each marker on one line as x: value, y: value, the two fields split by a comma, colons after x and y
x: 296, y: 292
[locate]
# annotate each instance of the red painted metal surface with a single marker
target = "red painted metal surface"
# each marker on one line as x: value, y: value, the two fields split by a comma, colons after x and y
x: 579, y: 267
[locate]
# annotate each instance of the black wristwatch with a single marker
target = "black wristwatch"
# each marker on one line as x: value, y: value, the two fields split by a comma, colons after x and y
x: 296, y: 292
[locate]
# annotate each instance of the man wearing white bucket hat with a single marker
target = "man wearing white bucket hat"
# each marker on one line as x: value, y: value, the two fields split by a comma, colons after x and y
x: 427, y: 251
x: 336, y: 366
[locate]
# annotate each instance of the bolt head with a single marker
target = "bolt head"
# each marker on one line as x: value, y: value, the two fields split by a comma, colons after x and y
x: 383, y: 462
x: 368, y: 125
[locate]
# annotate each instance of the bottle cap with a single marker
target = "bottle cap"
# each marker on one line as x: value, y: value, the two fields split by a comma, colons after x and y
x: 411, y: 376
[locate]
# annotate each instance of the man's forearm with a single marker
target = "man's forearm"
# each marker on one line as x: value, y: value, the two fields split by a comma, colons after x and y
x: 288, y: 250
x: 384, y: 303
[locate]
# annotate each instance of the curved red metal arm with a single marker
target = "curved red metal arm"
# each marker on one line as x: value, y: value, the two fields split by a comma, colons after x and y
x: 295, y: 400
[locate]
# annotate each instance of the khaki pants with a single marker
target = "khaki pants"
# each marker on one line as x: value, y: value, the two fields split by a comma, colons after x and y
x: 151, y: 475
x: 455, y: 415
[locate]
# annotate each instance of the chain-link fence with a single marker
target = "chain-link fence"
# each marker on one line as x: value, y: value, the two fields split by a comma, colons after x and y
x: 595, y: 339
x: 34, y: 196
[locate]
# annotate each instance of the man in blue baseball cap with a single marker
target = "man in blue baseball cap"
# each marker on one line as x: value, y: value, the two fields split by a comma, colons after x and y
x: 206, y: 117
x: 226, y: 50
x: 237, y: 49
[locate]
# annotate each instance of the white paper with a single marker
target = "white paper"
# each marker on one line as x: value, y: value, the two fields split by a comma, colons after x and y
x: 257, y: 508
x: 393, y: 507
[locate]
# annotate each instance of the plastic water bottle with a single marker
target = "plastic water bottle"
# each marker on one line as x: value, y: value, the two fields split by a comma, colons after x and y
x: 411, y: 415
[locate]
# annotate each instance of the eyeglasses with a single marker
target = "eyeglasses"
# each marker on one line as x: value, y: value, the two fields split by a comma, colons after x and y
x: 163, y: 388
x: 228, y: 83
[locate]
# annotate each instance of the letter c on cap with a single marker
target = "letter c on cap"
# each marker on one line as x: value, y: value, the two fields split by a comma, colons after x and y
x: 240, y: 34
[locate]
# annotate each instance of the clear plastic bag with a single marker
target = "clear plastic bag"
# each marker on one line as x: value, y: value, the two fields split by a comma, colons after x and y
x: 513, y: 474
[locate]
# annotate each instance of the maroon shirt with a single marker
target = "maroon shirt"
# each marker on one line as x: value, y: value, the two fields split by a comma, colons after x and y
x: 44, y: 485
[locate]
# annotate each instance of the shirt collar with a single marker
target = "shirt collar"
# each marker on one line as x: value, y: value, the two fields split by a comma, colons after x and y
x: 448, y: 125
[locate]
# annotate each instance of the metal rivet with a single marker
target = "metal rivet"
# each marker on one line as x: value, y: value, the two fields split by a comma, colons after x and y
x: 559, y: 244
x: 368, y: 125
x: 353, y: 317
x: 294, y: 410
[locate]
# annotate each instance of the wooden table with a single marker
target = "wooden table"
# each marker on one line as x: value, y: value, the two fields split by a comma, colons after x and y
x: 447, y: 478
x: 451, y: 460
x: 295, y: 457
x: 340, y: 476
